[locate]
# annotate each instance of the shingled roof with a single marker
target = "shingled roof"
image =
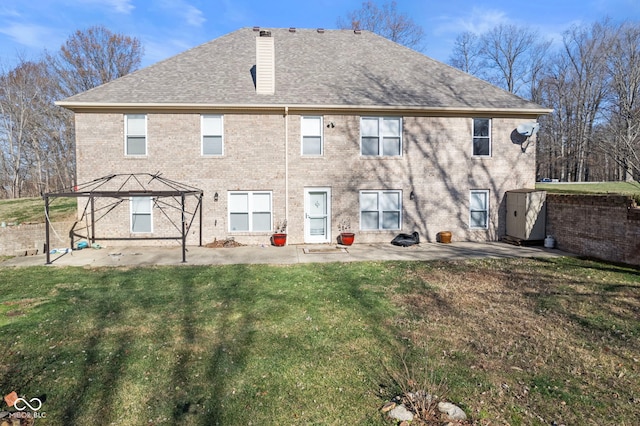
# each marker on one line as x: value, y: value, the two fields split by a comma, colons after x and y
x: 321, y: 68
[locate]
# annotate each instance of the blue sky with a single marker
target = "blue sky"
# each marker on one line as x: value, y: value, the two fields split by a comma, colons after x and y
x: 168, y: 27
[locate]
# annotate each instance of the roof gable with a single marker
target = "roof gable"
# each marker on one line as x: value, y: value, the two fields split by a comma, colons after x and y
x: 330, y: 68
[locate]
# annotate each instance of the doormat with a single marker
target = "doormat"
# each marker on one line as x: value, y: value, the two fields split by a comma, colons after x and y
x: 324, y: 250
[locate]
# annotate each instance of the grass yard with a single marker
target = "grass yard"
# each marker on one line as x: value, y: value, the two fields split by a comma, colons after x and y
x: 31, y: 210
x: 625, y: 188
x: 518, y: 342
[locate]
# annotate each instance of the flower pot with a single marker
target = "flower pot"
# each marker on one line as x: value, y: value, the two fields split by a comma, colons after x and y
x: 279, y: 240
x: 444, y: 237
x: 346, y: 238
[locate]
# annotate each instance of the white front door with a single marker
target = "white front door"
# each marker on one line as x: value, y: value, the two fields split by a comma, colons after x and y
x: 317, y: 215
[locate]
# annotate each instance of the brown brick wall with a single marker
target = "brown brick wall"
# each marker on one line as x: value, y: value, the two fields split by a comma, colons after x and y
x: 16, y: 240
x: 436, y: 166
x: 601, y: 226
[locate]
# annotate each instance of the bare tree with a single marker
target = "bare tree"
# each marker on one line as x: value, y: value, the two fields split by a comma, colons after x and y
x: 385, y: 21
x: 37, y: 149
x: 508, y: 56
x: 620, y: 138
x: 575, y: 86
x: 93, y: 57
x: 466, y: 54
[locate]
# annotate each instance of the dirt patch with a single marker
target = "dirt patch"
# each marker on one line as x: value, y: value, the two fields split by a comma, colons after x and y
x: 534, y: 346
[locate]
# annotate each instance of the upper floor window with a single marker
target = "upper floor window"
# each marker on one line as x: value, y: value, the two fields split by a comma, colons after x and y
x: 212, y: 140
x: 381, y: 136
x: 311, y: 129
x: 141, y: 214
x: 479, y: 209
x: 249, y: 211
x: 136, y: 134
x: 482, y: 137
x: 380, y: 210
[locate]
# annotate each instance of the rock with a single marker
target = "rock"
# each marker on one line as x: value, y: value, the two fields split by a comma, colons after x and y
x: 401, y: 413
x: 451, y: 410
x: 388, y: 407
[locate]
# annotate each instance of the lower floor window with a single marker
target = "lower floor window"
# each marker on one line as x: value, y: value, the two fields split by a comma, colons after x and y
x: 249, y: 211
x: 141, y: 214
x: 479, y: 209
x: 380, y: 210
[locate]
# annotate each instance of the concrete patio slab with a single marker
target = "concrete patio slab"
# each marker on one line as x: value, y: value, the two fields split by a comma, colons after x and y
x: 292, y: 254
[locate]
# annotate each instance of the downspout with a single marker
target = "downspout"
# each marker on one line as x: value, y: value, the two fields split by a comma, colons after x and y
x: 286, y: 164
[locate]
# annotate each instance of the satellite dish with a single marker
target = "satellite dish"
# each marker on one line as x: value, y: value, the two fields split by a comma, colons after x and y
x: 527, y: 129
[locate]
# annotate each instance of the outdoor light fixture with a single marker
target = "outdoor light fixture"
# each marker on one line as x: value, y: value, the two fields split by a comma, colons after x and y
x: 331, y: 125
x: 215, y: 197
x: 412, y: 196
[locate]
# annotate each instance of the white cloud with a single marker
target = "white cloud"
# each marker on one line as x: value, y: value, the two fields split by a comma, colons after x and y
x: 119, y: 6
x: 30, y: 35
x: 194, y: 16
x: 8, y: 12
x: 478, y: 21
x: 190, y: 14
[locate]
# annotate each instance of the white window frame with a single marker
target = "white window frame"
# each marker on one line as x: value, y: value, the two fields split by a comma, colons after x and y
x: 127, y: 135
x: 380, y: 209
x: 486, y: 138
x: 204, y: 134
x: 250, y: 210
x: 134, y: 213
x: 381, y: 135
x: 484, y: 209
x: 303, y: 134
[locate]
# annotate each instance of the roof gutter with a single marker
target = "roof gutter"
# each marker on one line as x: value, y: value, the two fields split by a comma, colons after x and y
x: 277, y: 108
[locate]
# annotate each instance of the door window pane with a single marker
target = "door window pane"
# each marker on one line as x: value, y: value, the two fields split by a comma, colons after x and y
x: 317, y: 226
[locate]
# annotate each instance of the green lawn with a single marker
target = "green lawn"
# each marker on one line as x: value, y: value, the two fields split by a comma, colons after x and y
x: 31, y: 210
x: 627, y: 188
x: 515, y: 341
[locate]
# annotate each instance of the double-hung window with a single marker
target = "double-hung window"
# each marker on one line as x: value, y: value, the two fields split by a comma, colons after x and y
x: 311, y: 128
x: 381, y: 136
x: 479, y: 209
x: 482, y: 137
x: 380, y: 210
x: 212, y: 141
x: 136, y: 134
x: 141, y: 214
x: 249, y: 211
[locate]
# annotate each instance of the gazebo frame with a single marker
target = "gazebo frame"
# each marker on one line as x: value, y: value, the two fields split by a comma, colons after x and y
x: 97, y: 188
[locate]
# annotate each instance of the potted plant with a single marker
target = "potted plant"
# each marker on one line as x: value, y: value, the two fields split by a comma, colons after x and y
x: 346, y: 236
x: 279, y: 237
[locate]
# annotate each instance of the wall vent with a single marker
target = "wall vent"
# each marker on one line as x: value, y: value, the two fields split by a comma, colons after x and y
x: 321, y: 30
x: 292, y: 30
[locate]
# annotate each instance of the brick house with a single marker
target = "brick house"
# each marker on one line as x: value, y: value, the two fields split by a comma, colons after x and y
x: 318, y: 127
